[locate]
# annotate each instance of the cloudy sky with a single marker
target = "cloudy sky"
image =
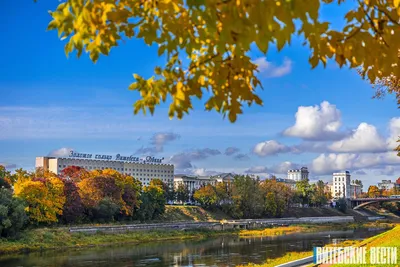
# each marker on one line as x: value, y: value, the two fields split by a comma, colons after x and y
x: 323, y: 118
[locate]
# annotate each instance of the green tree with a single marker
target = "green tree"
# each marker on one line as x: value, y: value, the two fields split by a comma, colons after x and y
x: 12, y: 214
x: 304, y: 190
x: 182, y: 193
x: 207, y: 44
x: 152, y: 203
x: 318, y: 195
x: 247, y: 197
x: 270, y: 204
x: 106, y: 210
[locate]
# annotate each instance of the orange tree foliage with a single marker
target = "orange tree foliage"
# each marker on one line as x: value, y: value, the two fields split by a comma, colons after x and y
x: 130, y: 189
x: 93, y: 189
x: 44, y: 196
x: 208, y: 43
x: 122, y: 189
x: 74, y: 173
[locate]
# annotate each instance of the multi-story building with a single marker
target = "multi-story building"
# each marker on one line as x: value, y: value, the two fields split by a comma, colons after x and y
x: 386, y: 185
x: 341, y: 185
x: 298, y: 175
x: 143, y: 169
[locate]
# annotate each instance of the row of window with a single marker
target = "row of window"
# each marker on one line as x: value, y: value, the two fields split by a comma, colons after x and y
x: 119, y: 169
x: 338, y: 179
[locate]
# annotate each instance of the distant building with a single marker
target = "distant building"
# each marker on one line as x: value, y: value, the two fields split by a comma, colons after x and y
x: 297, y: 175
x: 386, y: 185
x: 144, y: 170
x: 355, y: 190
x: 341, y: 185
x: 193, y: 182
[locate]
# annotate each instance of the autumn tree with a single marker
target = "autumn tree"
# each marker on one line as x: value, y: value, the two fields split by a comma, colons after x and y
x: 73, y: 210
x: 207, y: 44
x: 373, y: 191
x: 206, y: 196
x: 94, y: 189
x: 278, y: 197
x: 74, y: 173
x: 44, y: 197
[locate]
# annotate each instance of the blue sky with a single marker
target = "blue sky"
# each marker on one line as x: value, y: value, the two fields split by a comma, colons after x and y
x: 49, y: 102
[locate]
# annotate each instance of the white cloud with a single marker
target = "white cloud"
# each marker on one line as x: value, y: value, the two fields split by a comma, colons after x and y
x: 270, y: 147
x: 268, y: 69
x: 280, y: 168
x: 283, y: 167
x: 394, y: 133
x: 317, y: 123
x: 364, y: 139
x: 329, y: 163
x: 62, y: 152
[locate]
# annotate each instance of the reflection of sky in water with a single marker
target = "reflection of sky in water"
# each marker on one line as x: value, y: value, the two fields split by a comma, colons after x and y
x: 218, y: 252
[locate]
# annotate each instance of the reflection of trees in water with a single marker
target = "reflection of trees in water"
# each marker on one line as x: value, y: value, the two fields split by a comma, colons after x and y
x: 221, y: 251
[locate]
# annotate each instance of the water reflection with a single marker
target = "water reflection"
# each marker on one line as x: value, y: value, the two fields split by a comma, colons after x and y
x: 221, y: 251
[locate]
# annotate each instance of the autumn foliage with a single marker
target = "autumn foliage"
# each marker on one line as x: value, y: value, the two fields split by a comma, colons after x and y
x: 78, y: 195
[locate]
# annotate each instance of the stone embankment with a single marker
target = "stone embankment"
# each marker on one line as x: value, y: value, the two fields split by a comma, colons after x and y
x: 217, y: 226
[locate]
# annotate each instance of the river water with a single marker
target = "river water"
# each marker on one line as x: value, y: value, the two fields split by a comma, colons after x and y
x: 219, y: 251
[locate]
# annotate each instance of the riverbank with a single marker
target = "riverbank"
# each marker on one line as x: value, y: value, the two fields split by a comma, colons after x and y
x: 389, y: 238
x: 61, y: 238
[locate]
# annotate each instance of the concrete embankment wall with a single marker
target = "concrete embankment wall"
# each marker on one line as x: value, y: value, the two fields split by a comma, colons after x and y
x: 219, y: 226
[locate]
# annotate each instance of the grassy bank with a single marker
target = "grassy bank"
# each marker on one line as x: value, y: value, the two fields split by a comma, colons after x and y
x: 59, y: 239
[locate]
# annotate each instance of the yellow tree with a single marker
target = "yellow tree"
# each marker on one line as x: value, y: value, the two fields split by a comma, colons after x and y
x: 44, y: 196
x: 215, y: 38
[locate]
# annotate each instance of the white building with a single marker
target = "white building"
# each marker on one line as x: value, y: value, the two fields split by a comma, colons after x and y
x: 298, y: 175
x: 341, y: 185
x: 386, y: 185
x: 144, y: 169
x: 193, y: 182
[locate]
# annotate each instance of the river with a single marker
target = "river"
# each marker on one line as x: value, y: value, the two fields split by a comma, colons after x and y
x: 219, y: 251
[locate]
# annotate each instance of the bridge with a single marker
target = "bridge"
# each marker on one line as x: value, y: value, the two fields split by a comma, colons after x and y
x: 357, y: 203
